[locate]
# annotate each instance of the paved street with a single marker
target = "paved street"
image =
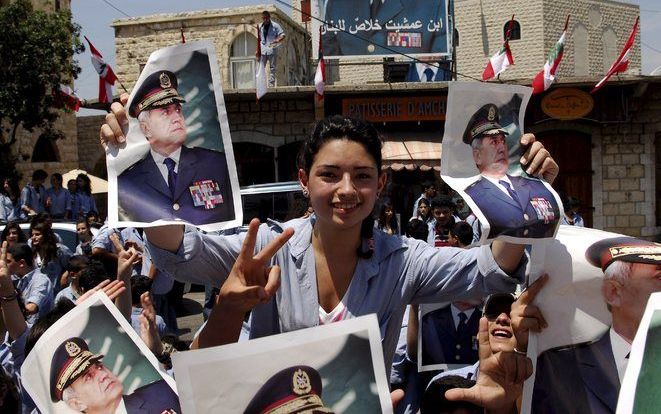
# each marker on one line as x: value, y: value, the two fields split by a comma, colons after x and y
x: 192, y: 319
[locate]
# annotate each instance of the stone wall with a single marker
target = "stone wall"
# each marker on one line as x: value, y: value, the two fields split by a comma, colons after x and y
x: 90, y: 153
x: 136, y: 38
x: 66, y: 149
x: 628, y: 169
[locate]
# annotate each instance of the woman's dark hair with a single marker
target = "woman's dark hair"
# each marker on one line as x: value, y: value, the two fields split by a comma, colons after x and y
x: 87, y: 188
x: 91, y: 276
x: 14, y: 191
x: 340, y: 127
x: 82, y: 220
x: 13, y: 225
x: 381, y: 223
x: 425, y: 201
x: 61, y: 308
x: 47, y: 248
x: 417, y: 229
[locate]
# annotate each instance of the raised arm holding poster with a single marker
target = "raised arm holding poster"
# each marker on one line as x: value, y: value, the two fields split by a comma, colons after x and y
x: 481, y: 160
x: 330, y: 368
x: 177, y: 163
x: 91, y: 360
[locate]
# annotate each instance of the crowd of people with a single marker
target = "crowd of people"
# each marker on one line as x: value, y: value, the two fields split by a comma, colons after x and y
x: 341, y: 261
x: 70, y: 204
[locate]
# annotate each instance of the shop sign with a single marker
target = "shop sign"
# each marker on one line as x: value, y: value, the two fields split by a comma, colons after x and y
x: 396, y: 109
x: 567, y: 104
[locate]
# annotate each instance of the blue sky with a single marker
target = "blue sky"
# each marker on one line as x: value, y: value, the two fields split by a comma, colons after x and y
x: 95, y: 17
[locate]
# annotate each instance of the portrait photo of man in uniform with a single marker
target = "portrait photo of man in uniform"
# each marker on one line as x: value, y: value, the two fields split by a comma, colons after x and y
x: 91, y: 360
x: 80, y: 379
x: 178, y: 162
x: 359, y: 28
x: 517, y: 206
x: 591, y: 372
x: 483, y: 159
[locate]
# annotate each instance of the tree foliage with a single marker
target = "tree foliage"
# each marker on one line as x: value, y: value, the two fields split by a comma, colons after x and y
x: 36, y: 56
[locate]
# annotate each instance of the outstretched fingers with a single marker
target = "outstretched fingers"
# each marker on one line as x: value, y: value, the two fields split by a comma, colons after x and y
x: 274, y: 245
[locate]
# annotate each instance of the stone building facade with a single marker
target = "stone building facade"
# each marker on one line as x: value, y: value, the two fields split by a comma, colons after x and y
x: 610, y: 156
x: 597, y: 31
x: 234, y: 34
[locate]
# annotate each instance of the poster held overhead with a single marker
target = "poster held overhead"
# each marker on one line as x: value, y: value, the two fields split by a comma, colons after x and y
x: 177, y: 165
x: 481, y: 160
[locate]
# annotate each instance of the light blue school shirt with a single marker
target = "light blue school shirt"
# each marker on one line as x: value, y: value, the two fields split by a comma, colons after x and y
x: 60, y: 201
x: 401, y: 271
x: 35, y: 287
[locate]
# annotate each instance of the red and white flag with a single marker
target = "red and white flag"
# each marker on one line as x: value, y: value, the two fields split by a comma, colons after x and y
x: 546, y: 76
x: 107, y: 77
x: 68, y: 98
x: 502, y: 59
x: 320, y: 75
x: 261, y: 84
x: 622, y: 62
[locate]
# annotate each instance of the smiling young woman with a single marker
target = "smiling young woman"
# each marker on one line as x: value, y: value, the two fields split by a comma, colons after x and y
x: 334, y: 264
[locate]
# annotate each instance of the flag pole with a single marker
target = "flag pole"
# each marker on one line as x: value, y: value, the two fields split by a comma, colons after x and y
x: 566, y: 23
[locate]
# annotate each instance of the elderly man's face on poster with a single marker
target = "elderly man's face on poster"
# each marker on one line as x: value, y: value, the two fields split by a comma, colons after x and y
x: 165, y: 128
x: 98, y: 388
x: 491, y: 155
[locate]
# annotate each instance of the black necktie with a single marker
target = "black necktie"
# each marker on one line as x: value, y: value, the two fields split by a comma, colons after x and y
x: 462, y: 323
x: 429, y: 73
x: 172, y: 175
x: 510, y: 191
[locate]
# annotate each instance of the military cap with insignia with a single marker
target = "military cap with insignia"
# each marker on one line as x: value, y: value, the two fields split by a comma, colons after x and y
x: 70, y: 360
x: 158, y: 90
x: 485, y: 121
x: 295, y: 389
x: 627, y: 249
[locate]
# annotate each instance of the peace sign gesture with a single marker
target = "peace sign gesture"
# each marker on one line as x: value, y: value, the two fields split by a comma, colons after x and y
x: 251, y: 280
x: 500, y: 380
x: 250, y: 283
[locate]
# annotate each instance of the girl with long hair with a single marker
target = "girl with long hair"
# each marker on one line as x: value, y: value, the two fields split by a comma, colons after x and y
x: 387, y: 221
x: 50, y: 256
x: 83, y: 200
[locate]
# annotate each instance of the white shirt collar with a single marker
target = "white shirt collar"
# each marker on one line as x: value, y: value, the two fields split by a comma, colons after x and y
x: 421, y: 67
x: 158, y: 158
x: 499, y: 185
x: 621, y: 348
x: 455, y: 314
x: 121, y: 408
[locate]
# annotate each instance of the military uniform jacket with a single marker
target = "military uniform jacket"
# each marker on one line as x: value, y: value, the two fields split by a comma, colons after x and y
x: 144, y: 195
x: 577, y: 380
x: 534, y: 216
x: 442, y: 344
x: 154, y: 398
x: 401, y: 271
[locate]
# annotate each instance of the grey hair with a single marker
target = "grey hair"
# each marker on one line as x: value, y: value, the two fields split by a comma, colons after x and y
x: 476, y: 143
x: 68, y: 394
x: 143, y: 115
x: 618, y: 270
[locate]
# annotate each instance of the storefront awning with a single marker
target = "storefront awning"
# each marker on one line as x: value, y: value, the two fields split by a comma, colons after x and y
x: 409, y: 155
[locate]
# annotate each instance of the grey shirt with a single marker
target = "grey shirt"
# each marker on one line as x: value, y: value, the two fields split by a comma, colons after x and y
x: 401, y: 271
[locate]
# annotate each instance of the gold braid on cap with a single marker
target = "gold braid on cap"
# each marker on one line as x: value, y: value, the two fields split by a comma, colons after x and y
x: 306, y: 402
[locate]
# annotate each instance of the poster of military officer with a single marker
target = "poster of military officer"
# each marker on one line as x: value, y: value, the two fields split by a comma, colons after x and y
x: 329, y: 368
x: 481, y: 160
x: 177, y: 163
x: 92, y: 361
x: 359, y: 28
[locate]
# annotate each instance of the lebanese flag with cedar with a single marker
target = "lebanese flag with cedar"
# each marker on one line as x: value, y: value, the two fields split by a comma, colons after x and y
x: 622, y: 62
x: 67, y: 97
x: 501, y: 60
x: 546, y: 76
x: 320, y: 75
x: 107, y: 77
